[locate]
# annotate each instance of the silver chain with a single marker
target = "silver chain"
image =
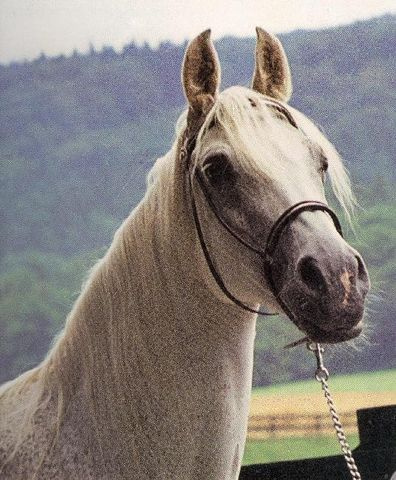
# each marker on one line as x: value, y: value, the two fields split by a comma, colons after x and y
x: 322, y: 375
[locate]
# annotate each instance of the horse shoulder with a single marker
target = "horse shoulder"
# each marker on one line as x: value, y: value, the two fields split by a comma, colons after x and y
x: 31, y: 441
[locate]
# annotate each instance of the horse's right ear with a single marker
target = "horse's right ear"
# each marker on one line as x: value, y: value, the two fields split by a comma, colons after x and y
x: 201, y: 75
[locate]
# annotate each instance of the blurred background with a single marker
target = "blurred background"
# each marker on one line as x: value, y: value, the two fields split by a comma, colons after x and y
x: 89, y: 95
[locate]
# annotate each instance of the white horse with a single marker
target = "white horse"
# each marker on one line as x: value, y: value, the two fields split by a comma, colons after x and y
x: 151, y: 377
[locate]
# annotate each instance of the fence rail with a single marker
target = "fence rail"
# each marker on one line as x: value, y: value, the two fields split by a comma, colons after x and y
x: 288, y: 425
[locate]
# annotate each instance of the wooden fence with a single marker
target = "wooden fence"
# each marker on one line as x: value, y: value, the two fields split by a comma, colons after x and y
x: 289, y: 425
x: 375, y: 456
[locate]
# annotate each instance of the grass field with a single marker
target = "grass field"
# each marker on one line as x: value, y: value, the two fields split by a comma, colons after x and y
x: 381, y: 381
x: 350, y: 392
x: 280, y: 449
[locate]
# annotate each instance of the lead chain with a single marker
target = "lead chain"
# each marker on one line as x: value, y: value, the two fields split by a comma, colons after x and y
x: 322, y: 375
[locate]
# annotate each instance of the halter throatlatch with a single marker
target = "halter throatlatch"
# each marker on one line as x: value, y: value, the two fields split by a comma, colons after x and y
x: 288, y: 216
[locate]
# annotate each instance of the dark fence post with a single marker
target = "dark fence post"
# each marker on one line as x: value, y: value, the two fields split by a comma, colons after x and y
x: 375, y: 456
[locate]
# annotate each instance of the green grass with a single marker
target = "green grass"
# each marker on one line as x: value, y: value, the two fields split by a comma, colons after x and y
x: 280, y: 449
x: 380, y: 381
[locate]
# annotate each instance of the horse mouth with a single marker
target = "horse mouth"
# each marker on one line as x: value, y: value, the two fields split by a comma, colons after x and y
x: 338, y: 335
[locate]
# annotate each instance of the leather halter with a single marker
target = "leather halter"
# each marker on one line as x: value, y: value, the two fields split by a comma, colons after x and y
x: 288, y: 216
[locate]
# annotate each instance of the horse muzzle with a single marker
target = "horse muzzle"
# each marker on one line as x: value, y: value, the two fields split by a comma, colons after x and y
x: 324, y: 292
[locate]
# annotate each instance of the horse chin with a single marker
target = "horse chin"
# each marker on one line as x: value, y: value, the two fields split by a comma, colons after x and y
x: 322, y: 322
x: 317, y: 334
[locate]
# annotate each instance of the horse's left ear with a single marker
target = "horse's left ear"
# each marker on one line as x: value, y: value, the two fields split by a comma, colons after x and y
x: 201, y: 75
x: 272, y: 73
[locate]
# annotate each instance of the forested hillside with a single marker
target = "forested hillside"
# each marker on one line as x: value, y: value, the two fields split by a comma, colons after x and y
x: 79, y: 134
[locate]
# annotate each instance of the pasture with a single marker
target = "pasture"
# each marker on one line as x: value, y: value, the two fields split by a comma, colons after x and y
x: 297, y: 401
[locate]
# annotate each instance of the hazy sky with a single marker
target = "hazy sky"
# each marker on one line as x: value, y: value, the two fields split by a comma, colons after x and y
x: 28, y: 27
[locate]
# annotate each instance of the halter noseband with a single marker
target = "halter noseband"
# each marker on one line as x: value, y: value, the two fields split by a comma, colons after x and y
x: 288, y: 216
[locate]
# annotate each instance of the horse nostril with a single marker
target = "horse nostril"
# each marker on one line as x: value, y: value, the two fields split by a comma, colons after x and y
x: 362, y: 272
x: 311, y: 275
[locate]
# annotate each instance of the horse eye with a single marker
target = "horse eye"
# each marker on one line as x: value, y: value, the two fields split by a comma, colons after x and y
x: 323, y: 169
x: 218, y: 170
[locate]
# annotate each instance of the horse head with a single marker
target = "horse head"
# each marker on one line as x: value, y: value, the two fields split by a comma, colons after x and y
x: 257, y: 170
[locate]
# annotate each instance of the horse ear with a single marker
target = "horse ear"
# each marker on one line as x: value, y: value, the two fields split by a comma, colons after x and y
x: 201, y: 74
x: 272, y: 73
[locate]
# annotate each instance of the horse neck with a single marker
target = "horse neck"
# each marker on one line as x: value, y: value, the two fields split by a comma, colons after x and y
x: 146, y: 332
